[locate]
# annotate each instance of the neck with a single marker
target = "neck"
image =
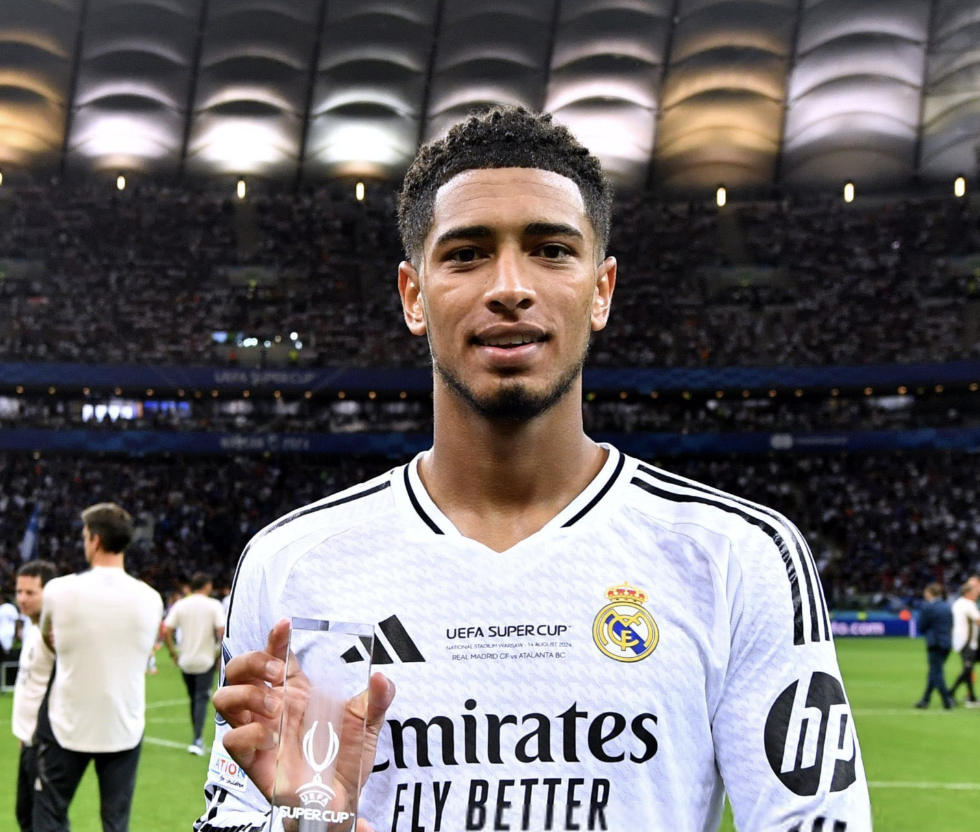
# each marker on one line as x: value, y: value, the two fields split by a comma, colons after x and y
x: 35, y: 619
x: 499, y: 467
x: 111, y: 559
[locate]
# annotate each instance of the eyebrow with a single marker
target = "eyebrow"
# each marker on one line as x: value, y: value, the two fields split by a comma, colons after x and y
x: 484, y: 232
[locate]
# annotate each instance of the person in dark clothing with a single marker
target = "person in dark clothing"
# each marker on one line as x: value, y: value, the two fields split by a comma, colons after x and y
x: 936, y: 625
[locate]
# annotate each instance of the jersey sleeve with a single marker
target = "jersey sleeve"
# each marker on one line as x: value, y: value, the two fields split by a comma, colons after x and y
x: 784, y: 736
x: 233, y: 801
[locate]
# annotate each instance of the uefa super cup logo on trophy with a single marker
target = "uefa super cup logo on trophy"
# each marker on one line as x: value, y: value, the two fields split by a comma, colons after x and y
x: 316, y: 792
x: 321, y: 739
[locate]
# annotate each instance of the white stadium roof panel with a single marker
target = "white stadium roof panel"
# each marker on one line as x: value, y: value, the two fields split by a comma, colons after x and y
x: 680, y: 95
x: 950, y: 124
x: 723, y: 96
x: 37, y: 43
x: 855, y: 93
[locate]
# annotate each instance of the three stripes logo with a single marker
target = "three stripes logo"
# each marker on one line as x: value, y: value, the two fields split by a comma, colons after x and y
x: 822, y: 824
x: 399, y: 643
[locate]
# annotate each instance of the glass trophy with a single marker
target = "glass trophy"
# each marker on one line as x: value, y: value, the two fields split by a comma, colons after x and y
x: 318, y: 768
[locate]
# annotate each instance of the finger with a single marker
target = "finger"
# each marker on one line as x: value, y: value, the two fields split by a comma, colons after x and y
x: 373, y: 704
x: 245, y: 742
x: 278, y: 641
x: 364, y: 826
x: 240, y: 704
x: 254, y: 667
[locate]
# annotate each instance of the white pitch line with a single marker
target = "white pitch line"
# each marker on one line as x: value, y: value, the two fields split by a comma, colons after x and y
x: 901, y: 711
x: 171, y: 744
x: 167, y: 703
x: 879, y: 784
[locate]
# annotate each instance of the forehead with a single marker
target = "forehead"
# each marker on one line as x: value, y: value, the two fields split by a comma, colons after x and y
x: 500, y: 197
x: 28, y: 582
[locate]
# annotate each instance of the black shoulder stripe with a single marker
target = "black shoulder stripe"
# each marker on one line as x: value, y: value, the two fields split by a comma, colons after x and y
x: 807, y: 563
x: 289, y: 519
x: 418, y: 507
x: 794, y: 584
x: 602, y: 493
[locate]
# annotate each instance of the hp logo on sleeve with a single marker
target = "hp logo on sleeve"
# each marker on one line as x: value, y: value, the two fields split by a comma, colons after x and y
x: 809, y: 737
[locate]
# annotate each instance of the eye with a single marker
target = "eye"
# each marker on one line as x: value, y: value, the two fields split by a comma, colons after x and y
x: 554, y: 251
x: 464, y: 255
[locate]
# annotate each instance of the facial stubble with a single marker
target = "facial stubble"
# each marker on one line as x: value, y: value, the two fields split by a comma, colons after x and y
x: 512, y: 401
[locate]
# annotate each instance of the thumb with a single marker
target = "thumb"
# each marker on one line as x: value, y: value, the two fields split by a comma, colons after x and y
x: 380, y: 693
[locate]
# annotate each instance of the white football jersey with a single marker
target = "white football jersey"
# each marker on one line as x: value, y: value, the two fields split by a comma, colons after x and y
x: 657, y: 644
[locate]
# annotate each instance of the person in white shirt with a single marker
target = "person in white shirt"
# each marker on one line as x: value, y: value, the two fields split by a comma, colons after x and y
x: 8, y: 627
x: 579, y: 640
x: 33, y: 674
x: 101, y: 625
x: 201, y: 622
x: 966, y: 636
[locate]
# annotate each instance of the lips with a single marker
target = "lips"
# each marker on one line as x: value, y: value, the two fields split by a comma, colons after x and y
x: 509, y: 337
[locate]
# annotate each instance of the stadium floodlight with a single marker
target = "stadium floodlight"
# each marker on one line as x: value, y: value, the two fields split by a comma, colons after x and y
x: 121, y: 182
x: 240, y: 189
x: 721, y: 197
x: 959, y: 187
x: 359, y: 192
x: 849, y: 192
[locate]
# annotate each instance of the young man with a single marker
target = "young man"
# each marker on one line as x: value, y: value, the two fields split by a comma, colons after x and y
x: 33, y: 674
x: 936, y: 626
x: 101, y: 625
x: 579, y: 640
x: 201, y: 622
x: 966, y: 635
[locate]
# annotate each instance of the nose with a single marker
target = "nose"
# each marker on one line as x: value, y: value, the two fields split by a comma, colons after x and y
x: 510, y: 288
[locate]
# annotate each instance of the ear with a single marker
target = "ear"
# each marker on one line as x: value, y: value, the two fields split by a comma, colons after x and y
x: 410, y: 289
x: 602, y: 297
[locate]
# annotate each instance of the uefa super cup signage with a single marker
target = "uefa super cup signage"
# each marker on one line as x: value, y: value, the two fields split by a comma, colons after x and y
x: 318, y: 733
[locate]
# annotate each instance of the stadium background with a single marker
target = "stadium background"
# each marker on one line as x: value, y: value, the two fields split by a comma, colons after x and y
x: 198, y: 316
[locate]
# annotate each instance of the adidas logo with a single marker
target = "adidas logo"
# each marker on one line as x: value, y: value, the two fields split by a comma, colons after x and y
x: 398, y: 641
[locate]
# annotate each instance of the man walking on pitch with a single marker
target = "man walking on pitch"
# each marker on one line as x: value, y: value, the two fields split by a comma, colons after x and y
x: 201, y: 622
x: 966, y: 634
x: 579, y: 640
x: 936, y: 626
x: 101, y: 625
x: 33, y: 674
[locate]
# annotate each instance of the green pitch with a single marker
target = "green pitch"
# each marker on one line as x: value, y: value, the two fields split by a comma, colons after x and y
x: 923, y: 766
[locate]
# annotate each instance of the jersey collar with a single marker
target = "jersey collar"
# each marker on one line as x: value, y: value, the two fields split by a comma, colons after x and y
x: 425, y: 514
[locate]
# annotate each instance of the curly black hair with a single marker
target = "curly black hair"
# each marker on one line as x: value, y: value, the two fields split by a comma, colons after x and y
x: 502, y: 137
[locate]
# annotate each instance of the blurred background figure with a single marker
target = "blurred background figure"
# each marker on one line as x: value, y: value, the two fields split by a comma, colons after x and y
x: 33, y: 674
x: 200, y: 620
x: 966, y: 629
x: 101, y: 625
x: 936, y: 625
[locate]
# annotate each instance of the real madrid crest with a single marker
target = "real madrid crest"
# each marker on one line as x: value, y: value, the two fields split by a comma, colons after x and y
x: 623, y: 629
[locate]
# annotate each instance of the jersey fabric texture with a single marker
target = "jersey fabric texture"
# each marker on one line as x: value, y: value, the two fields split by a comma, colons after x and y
x: 198, y: 618
x: 657, y: 644
x: 33, y: 675
x: 104, y: 623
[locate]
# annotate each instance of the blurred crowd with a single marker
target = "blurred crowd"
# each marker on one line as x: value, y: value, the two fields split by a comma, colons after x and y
x: 634, y: 413
x: 881, y: 526
x: 150, y: 274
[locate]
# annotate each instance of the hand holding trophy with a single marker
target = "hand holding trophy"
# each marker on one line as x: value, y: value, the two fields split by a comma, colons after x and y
x: 305, y: 721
